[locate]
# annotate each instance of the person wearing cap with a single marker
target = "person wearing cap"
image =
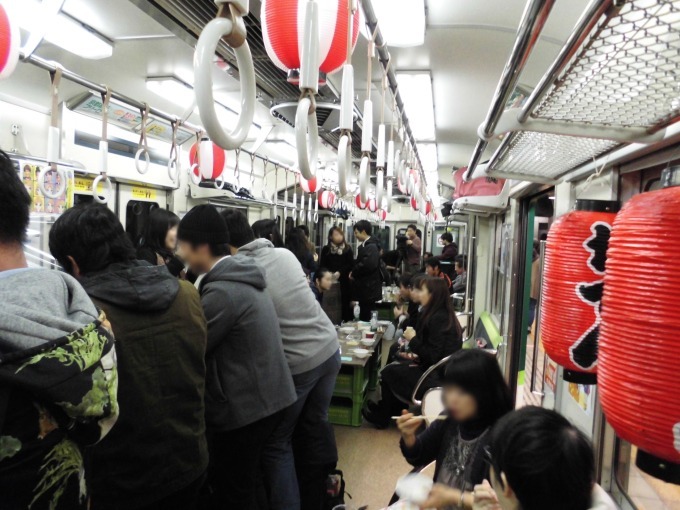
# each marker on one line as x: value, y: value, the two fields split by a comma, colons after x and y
x: 248, y: 382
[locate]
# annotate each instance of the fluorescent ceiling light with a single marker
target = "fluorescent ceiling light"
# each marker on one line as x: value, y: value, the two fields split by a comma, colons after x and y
x: 401, y: 22
x: 61, y: 30
x: 428, y: 157
x: 171, y: 89
x: 416, y: 91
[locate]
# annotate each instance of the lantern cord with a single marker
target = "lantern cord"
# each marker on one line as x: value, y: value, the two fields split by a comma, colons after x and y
x: 593, y: 176
x: 350, y: 29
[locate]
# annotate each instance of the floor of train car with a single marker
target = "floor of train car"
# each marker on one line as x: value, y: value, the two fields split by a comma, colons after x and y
x: 372, y: 463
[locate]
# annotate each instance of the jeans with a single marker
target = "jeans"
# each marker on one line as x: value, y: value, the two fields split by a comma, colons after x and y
x: 303, y: 445
x: 235, y: 459
x: 532, y: 312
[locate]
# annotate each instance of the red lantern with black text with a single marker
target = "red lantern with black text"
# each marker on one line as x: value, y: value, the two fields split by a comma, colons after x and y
x: 326, y: 199
x: 639, y: 371
x: 359, y: 203
x: 282, y: 31
x: 10, y: 41
x: 573, y: 271
x: 382, y: 214
x: 211, y: 159
x: 309, y: 186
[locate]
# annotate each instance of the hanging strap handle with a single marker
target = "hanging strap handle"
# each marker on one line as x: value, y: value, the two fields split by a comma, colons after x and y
x: 143, y: 146
x: 53, y: 142
x: 104, y: 154
x: 173, y: 160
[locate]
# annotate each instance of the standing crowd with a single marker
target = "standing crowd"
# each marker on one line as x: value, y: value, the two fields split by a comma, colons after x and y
x: 124, y: 386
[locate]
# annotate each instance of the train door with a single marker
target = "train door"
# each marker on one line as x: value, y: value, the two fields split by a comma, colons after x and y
x: 134, y: 204
x: 530, y: 362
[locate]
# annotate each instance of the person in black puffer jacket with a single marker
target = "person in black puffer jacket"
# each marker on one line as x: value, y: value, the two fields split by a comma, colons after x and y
x: 366, y: 275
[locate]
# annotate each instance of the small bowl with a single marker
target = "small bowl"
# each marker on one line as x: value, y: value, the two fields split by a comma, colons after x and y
x: 368, y: 342
x: 361, y: 353
x: 345, y: 330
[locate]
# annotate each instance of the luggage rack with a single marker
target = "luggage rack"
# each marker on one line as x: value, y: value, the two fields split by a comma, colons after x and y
x: 616, y: 81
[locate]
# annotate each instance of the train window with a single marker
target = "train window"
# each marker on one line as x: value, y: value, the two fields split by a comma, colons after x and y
x: 501, y: 261
x: 136, y: 218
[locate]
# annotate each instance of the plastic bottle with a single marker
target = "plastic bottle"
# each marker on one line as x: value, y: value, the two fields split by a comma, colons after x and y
x: 374, y: 321
x: 357, y: 311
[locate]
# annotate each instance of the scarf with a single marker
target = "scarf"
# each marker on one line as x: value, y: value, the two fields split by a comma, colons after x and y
x: 337, y: 250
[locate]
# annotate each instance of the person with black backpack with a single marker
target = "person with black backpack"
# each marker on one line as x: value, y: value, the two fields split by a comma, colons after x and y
x: 366, y: 275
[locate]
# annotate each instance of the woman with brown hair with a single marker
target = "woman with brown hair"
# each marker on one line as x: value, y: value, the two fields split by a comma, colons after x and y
x: 338, y: 258
x: 437, y: 335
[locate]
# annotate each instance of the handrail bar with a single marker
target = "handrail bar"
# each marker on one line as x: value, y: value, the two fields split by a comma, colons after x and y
x: 533, y: 20
x: 50, y: 66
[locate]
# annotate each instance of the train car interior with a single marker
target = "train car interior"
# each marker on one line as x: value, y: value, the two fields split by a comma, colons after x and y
x: 541, y: 138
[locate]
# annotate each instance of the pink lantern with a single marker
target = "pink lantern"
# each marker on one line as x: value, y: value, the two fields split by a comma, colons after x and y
x: 326, y: 199
x: 372, y: 205
x: 359, y: 203
x: 309, y: 186
x: 382, y: 214
x: 282, y: 30
x: 211, y: 159
x: 414, y: 203
x: 9, y: 43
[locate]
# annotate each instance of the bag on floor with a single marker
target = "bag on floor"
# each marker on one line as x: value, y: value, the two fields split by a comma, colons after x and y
x: 335, y: 490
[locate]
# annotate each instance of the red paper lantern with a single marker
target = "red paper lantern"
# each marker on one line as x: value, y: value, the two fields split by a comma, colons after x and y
x: 372, y: 205
x: 428, y: 208
x: 10, y: 40
x: 326, y: 199
x: 359, y: 203
x: 402, y: 186
x: 382, y: 214
x: 211, y: 159
x: 639, y: 367
x: 414, y: 203
x: 572, y: 288
x: 309, y: 186
x: 282, y: 30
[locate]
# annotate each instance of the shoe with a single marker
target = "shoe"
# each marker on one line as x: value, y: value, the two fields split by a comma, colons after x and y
x: 245, y: 193
x: 372, y: 418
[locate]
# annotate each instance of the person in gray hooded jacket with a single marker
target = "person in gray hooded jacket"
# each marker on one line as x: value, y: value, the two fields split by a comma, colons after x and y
x: 248, y: 381
x: 58, y: 379
x: 311, y: 346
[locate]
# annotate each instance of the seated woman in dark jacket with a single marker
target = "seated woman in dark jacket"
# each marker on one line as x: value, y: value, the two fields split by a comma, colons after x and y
x: 297, y: 243
x: 475, y: 396
x: 438, y: 334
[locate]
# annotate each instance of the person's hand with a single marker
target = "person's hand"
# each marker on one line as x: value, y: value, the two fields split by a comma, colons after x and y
x: 409, y: 242
x: 336, y: 275
x: 351, y: 276
x: 398, y: 311
x: 485, y: 497
x: 409, y: 356
x: 441, y: 496
x: 410, y: 333
x: 408, y: 425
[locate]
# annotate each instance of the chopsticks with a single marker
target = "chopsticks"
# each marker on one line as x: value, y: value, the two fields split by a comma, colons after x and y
x: 431, y: 418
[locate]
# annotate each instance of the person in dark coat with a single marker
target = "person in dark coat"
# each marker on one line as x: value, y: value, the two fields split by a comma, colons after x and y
x: 158, y: 243
x: 438, y: 334
x: 156, y: 455
x: 475, y: 397
x: 248, y: 384
x: 450, y: 250
x: 297, y: 243
x: 366, y: 275
x: 338, y: 258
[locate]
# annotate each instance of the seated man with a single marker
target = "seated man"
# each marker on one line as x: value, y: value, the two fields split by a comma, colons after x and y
x: 538, y: 461
x: 460, y: 283
x: 433, y: 268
